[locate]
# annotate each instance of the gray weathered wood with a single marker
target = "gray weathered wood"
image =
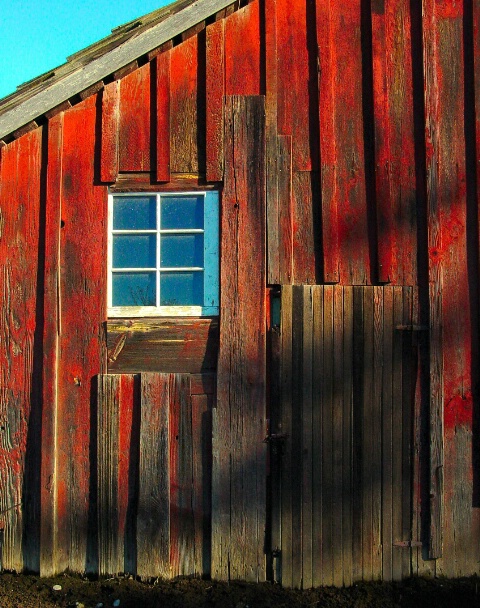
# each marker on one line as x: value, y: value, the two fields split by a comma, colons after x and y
x: 153, y: 519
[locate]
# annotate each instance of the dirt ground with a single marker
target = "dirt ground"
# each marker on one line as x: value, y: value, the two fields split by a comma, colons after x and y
x: 22, y: 591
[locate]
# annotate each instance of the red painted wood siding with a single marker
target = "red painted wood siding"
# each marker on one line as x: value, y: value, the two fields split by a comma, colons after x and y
x: 372, y: 147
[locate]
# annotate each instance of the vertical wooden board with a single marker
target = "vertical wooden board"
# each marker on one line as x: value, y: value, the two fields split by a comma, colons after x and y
x: 215, y: 85
x: 341, y: 143
x: 446, y: 195
x: 286, y: 336
x: 274, y: 499
x: 307, y: 437
x: 305, y: 229
x: 408, y: 391
x: 81, y: 357
x: 317, y: 433
x: 348, y: 429
x: 241, y: 368
x: 135, y: 120
x: 280, y: 237
x: 161, y: 65
x: 51, y: 331
x: 337, y: 437
x: 110, y: 132
x: 285, y: 225
x: 388, y: 444
x: 295, y: 98
x: 153, y: 518
x: 328, y: 145
x: 328, y: 507
x: 394, y: 142
x: 19, y: 241
x: 110, y: 561
x: 368, y: 437
x: 358, y: 432
x: 220, y: 494
x: 202, y: 481
x: 127, y: 470
x: 183, y: 107
x: 182, y: 526
x: 397, y: 434
x: 242, y: 51
x: 376, y: 429
x: 297, y: 464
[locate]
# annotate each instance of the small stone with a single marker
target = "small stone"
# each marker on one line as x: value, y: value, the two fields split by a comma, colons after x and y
x: 57, y: 587
x: 116, y: 603
x: 79, y: 605
x: 99, y: 605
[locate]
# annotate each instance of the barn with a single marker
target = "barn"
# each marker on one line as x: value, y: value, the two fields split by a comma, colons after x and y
x: 239, y: 295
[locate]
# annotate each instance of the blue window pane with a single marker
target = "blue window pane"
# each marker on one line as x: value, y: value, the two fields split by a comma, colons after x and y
x: 181, y: 289
x: 181, y: 250
x: 134, y: 251
x: 134, y: 213
x: 181, y: 212
x: 133, y: 289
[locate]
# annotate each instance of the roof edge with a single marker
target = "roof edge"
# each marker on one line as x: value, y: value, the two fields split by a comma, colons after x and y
x: 86, y: 76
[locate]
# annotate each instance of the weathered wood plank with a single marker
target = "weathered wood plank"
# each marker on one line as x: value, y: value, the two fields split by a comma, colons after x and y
x: 153, y: 518
x: 408, y: 391
x: 162, y: 68
x: 317, y: 434
x: 394, y: 142
x: 449, y: 363
x: 135, y: 121
x: 337, y: 437
x: 348, y: 429
x: 182, y: 527
x: 81, y: 355
x: 109, y: 161
x: 296, y: 101
x: 285, y: 225
x: 110, y: 558
x: 241, y: 366
x: 307, y: 436
x: 358, y: 432
x: 202, y: 481
x: 164, y: 345
x: 19, y: 398
x: 305, y: 227
x: 341, y: 143
x: 296, y: 435
x: 376, y: 430
x: 388, y: 444
x: 183, y: 107
x: 397, y: 437
x: 51, y: 332
x: 215, y: 87
x: 242, y: 51
x: 286, y: 336
x: 328, y: 507
x: 368, y: 463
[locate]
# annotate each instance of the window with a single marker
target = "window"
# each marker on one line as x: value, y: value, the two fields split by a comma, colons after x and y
x: 163, y: 254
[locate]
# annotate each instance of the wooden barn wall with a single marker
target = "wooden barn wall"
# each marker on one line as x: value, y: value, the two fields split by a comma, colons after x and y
x: 370, y: 116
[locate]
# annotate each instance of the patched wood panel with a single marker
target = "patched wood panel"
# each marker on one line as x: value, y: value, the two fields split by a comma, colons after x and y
x: 163, y: 345
x: 154, y: 446
x: 345, y: 426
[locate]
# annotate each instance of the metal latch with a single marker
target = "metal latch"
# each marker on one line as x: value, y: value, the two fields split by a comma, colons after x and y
x: 407, y: 543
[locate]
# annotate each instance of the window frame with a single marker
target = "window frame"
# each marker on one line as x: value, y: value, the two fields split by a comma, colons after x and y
x: 211, y: 258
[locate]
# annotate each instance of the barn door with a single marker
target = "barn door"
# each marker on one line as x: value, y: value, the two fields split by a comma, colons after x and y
x: 342, y: 435
x: 154, y: 473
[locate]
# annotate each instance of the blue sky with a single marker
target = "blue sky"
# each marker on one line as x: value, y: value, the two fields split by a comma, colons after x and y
x: 38, y: 35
